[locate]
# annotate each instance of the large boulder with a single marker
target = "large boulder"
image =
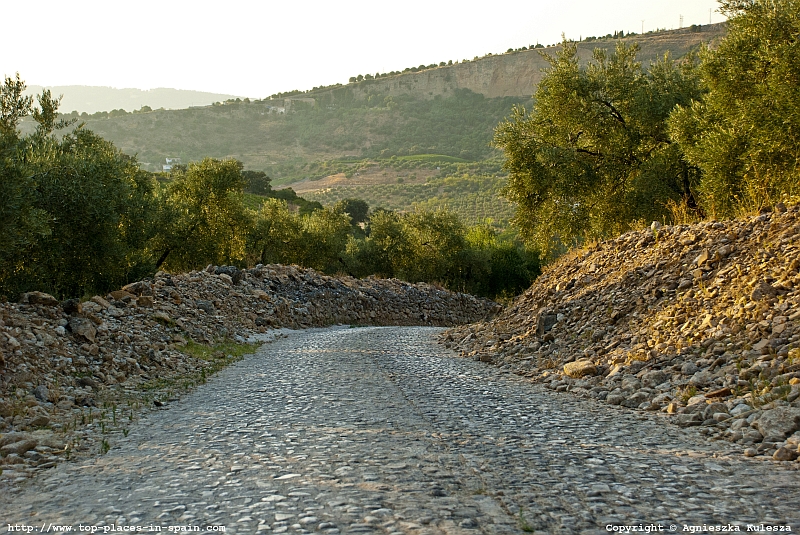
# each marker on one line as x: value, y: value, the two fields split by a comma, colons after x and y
x: 39, y: 298
x: 779, y: 423
x: 83, y: 327
x: 139, y: 288
x: 580, y: 368
x: 18, y: 447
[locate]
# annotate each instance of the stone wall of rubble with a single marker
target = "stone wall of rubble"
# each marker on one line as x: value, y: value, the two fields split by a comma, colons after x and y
x: 701, y: 322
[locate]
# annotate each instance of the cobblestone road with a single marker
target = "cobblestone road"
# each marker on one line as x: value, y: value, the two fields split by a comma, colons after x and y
x: 376, y: 430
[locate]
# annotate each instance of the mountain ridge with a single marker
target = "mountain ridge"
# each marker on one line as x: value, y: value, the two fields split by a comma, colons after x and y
x: 91, y: 99
x: 517, y: 73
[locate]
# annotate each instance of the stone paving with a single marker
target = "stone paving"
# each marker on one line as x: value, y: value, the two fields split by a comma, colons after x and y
x: 380, y: 430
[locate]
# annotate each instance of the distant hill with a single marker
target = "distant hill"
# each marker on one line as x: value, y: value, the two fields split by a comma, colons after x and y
x: 515, y: 73
x: 392, y: 140
x: 91, y: 99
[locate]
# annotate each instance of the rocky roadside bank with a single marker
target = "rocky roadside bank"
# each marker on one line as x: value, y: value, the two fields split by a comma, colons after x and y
x: 73, y: 375
x: 700, y: 322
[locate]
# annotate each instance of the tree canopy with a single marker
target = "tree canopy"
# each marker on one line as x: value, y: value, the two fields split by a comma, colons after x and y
x: 613, y: 145
x: 78, y: 216
x: 745, y: 133
x: 74, y: 211
x: 593, y: 155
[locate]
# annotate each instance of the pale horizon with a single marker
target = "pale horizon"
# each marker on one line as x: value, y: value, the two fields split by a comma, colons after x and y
x: 255, y: 49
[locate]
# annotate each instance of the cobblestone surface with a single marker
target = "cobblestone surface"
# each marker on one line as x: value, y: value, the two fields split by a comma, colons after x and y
x: 379, y: 430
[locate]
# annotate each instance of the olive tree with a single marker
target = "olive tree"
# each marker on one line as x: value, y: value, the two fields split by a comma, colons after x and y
x: 593, y: 155
x: 745, y: 133
x: 203, y: 218
x: 74, y: 211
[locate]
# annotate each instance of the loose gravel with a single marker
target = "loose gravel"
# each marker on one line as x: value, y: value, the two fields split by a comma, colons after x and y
x: 378, y: 430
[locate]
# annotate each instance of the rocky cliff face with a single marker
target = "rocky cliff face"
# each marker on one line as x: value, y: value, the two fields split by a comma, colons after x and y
x: 517, y: 74
x: 63, y: 365
x: 700, y: 322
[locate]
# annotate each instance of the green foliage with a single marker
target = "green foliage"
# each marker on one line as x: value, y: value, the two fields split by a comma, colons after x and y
x: 288, y: 194
x: 99, y: 203
x: 257, y: 182
x: 222, y: 349
x: 502, y: 267
x: 275, y: 236
x: 745, y: 133
x: 14, y: 105
x: 435, y: 158
x: 314, y: 240
x: 435, y: 247
x: 325, y: 234
x: 82, y: 217
x: 21, y: 222
x: 75, y: 211
x: 356, y: 210
x: 203, y: 220
x: 593, y: 155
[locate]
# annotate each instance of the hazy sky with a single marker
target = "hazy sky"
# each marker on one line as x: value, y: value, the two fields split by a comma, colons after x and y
x: 259, y: 47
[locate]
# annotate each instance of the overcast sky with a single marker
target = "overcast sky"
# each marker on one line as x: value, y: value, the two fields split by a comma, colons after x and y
x: 256, y: 48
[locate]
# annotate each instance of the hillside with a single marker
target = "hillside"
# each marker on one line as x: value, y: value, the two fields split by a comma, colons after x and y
x: 449, y: 110
x: 91, y: 99
x: 516, y: 73
x: 700, y: 322
x: 286, y: 146
x: 474, y: 199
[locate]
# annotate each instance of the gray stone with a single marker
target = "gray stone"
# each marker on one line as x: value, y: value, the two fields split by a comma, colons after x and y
x: 18, y: 447
x: 740, y: 409
x: 688, y: 420
x: 763, y: 290
x: 615, y: 399
x: 39, y: 298
x: 232, y: 271
x: 205, y: 306
x: 41, y: 393
x: 784, y: 454
x: 636, y: 399
x: 689, y: 368
x: 701, y: 378
x: 39, y: 421
x: 545, y: 322
x: 83, y: 327
x: 780, y: 422
x: 654, y: 378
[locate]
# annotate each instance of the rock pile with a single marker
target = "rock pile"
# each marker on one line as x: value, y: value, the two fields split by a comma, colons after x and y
x: 701, y: 322
x: 60, y: 360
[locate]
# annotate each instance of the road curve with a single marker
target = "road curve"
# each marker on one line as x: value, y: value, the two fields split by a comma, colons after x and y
x: 381, y: 430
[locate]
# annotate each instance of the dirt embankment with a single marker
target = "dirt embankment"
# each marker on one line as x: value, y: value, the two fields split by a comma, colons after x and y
x: 700, y: 322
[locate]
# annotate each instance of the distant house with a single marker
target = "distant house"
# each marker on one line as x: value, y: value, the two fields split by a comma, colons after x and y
x: 167, y: 167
